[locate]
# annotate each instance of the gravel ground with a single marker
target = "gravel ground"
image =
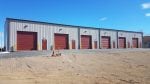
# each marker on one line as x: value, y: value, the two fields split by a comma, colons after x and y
x: 48, y: 52
x: 25, y: 54
x: 113, y: 66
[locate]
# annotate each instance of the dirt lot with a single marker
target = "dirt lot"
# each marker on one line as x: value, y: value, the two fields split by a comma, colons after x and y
x: 132, y: 67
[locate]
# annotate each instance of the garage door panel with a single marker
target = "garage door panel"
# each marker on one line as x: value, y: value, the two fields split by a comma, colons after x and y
x: 122, y: 42
x: 26, y: 40
x: 61, y: 41
x: 135, y: 42
x: 86, y: 42
x: 105, y: 42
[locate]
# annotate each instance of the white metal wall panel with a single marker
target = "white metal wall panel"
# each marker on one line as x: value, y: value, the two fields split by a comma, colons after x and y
x: 71, y: 31
x: 112, y: 34
x: 136, y: 35
x: 47, y: 31
x: 93, y: 32
x: 43, y: 31
x: 126, y: 35
x: 20, y: 26
x: 129, y: 36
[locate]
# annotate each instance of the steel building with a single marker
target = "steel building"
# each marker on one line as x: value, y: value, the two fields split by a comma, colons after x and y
x: 146, y: 42
x: 35, y: 35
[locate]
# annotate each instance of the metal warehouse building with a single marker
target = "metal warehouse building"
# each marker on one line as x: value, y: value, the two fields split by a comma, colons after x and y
x: 35, y: 35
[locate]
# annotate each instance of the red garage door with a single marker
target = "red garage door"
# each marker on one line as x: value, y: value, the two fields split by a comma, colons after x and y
x: 135, y: 42
x: 122, y: 42
x: 86, y: 42
x: 61, y: 41
x: 105, y: 42
x: 26, y: 40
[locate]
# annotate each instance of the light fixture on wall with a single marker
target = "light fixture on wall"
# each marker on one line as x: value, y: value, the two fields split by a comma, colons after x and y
x: 121, y: 34
x: 105, y: 33
x: 134, y: 35
x: 60, y: 30
x: 85, y: 31
x: 25, y: 26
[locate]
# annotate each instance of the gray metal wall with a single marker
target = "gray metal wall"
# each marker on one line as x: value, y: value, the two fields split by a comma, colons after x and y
x: 47, y: 31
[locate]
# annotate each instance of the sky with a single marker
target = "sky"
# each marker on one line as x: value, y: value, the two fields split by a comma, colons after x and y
x: 131, y: 15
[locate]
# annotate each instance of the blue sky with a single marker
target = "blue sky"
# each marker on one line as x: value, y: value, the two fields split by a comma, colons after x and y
x: 132, y: 15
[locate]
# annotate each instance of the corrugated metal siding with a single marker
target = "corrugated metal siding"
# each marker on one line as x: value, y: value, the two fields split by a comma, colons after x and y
x: 47, y: 31
x: 44, y: 31
x: 93, y: 32
x: 73, y: 33
x: 111, y: 34
x: 129, y: 36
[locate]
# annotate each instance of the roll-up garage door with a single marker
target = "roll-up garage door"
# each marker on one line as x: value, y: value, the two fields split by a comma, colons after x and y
x: 26, y: 40
x: 86, y: 42
x: 134, y: 42
x: 61, y: 41
x: 122, y: 42
x: 105, y: 42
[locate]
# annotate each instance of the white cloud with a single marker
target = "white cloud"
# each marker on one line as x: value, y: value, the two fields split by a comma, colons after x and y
x: 103, y: 18
x: 147, y: 14
x: 146, y: 5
